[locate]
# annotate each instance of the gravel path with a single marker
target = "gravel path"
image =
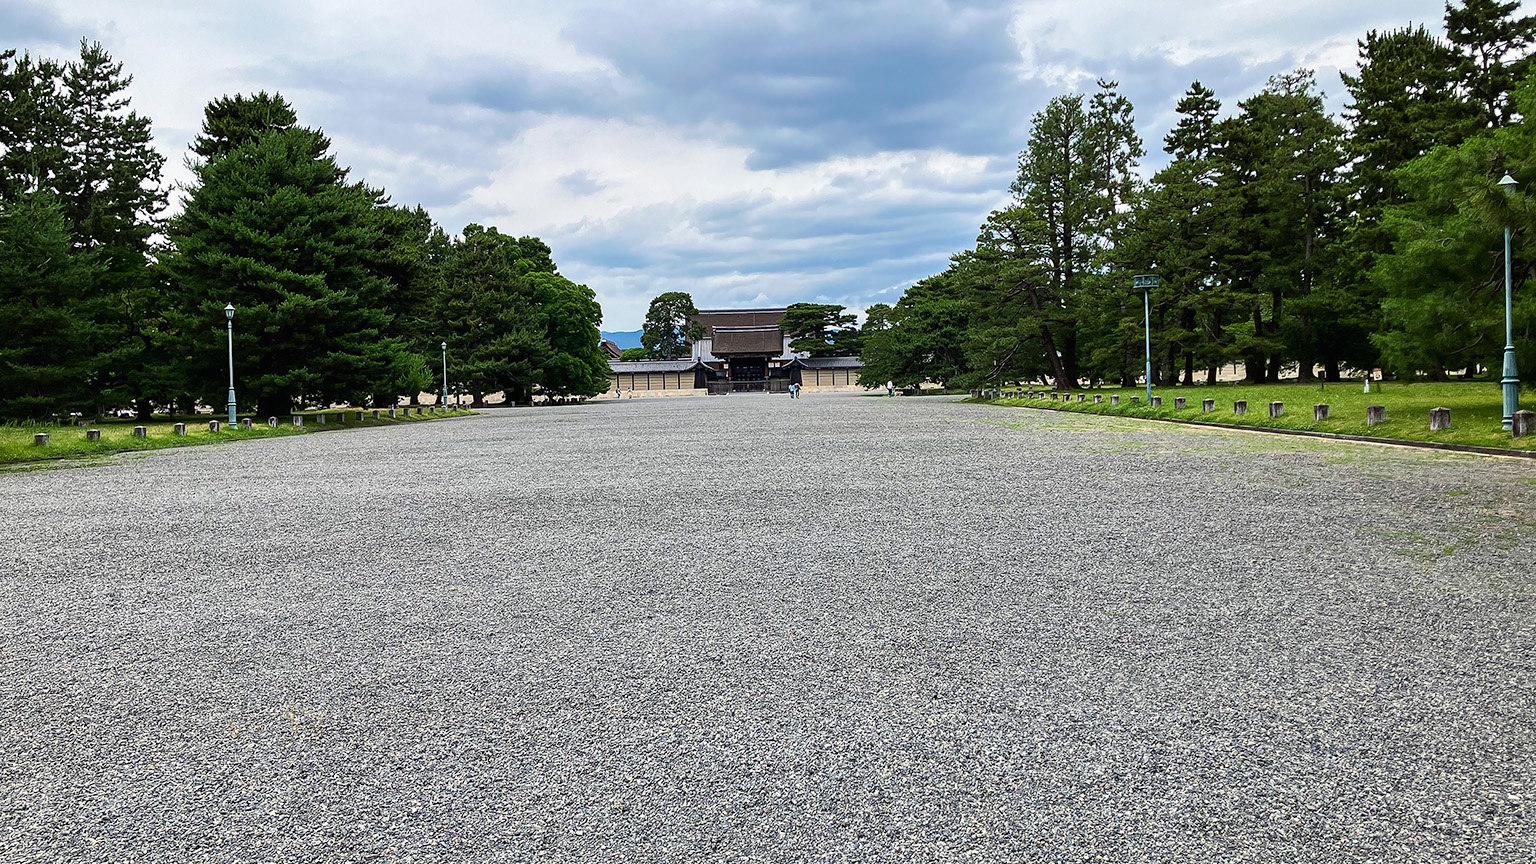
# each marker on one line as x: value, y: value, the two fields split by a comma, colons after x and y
x: 755, y: 629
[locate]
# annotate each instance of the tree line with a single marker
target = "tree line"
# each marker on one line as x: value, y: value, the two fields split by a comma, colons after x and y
x: 1284, y: 237
x: 339, y: 294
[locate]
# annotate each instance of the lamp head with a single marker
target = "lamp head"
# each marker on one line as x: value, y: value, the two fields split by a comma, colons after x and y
x: 445, y: 346
x: 1508, y: 184
x: 229, y: 311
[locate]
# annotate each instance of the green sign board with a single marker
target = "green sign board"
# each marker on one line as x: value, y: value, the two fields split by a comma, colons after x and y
x: 1148, y: 281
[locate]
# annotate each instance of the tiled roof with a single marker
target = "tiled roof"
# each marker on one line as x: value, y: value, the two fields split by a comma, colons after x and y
x: 747, y: 340
x: 644, y: 366
x: 829, y: 363
x: 713, y: 318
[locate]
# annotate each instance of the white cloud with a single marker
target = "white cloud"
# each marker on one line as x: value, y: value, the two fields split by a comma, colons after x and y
x: 747, y: 151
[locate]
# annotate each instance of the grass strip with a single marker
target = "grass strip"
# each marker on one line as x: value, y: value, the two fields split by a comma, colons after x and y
x: 64, y: 441
x: 1476, y: 409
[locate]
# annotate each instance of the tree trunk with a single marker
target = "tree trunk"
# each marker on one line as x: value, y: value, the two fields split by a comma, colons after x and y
x: 1069, y: 359
x: 1305, y: 360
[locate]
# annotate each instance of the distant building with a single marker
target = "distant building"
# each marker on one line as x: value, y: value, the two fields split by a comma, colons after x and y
x: 741, y: 351
x: 612, y: 349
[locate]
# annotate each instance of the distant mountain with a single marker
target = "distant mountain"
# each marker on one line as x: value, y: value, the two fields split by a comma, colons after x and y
x: 624, y: 338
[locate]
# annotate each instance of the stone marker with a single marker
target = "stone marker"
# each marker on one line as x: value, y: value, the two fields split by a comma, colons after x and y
x: 1276, y: 409
x: 1082, y: 397
x: 298, y: 419
x: 1135, y: 400
x: 245, y: 423
x: 272, y: 422
x: 1114, y: 400
x: 360, y: 416
x: 1375, y: 414
x: 181, y: 428
x: 1439, y: 418
x: 141, y: 431
x: 1240, y: 407
x: 320, y: 419
x: 375, y: 414
x: 1524, y: 424
x: 1098, y: 398
x: 93, y: 434
x: 1180, y: 403
x: 40, y: 439
x: 1157, y: 401
x: 213, y: 425
x: 1208, y: 405
x: 391, y: 413
x: 1055, y: 396
x: 1319, y: 412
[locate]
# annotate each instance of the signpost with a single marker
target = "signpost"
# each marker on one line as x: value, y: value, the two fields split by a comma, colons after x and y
x: 1146, y: 284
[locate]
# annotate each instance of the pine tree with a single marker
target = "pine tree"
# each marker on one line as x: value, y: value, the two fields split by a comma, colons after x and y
x: 33, y: 124
x: 485, y: 313
x: 273, y: 226
x: 669, y: 326
x: 814, y: 327
x: 1281, y: 158
x: 110, y: 186
x: 1443, y: 283
x: 1494, y: 47
x: 47, y: 366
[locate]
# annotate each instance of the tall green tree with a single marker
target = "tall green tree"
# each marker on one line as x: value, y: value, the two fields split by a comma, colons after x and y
x: 47, y: 366
x: 1281, y: 158
x: 274, y: 227
x: 575, y: 364
x: 485, y: 314
x: 669, y: 327
x: 110, y: 185
x: 33, y: 123
x: 819, y: 329
x: 229, y: 122
x: 406, y: 257
x: 1493, y: 42
x: 923, y: 338
x: 1443, y: 283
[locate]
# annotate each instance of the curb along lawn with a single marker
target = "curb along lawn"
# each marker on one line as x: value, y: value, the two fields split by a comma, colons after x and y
x: 1476, y: 410
x: 117, y: 435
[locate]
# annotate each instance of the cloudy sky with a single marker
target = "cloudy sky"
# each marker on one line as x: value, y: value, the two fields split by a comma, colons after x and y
x: 752, y: 153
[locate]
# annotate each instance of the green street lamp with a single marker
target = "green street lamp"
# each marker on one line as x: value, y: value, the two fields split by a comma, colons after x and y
x: 1146, y: 284
x: 1511, y: 379
x: 445, y: 376
x: 229, y: 320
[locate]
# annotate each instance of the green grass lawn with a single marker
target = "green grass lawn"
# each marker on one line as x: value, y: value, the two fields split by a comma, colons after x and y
x: 1476, y: 408
x: 16, y: 441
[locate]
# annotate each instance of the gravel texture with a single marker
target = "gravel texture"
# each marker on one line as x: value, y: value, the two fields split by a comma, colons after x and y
x: 747, y: 628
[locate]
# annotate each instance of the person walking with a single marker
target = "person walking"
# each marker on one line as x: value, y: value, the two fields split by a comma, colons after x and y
x: 890, y: 388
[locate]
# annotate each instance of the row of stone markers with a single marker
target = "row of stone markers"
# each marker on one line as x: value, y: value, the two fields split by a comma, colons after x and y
x: 1439, y: 418
x: 41, y: 439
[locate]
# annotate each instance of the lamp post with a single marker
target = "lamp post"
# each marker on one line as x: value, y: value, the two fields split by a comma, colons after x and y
x: 229, y: 332
x: 1511, y: 379
x: 1146, y: 284
x: 445, y: 376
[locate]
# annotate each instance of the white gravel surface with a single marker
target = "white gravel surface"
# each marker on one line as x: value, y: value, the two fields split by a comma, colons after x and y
x: 747, y: 628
